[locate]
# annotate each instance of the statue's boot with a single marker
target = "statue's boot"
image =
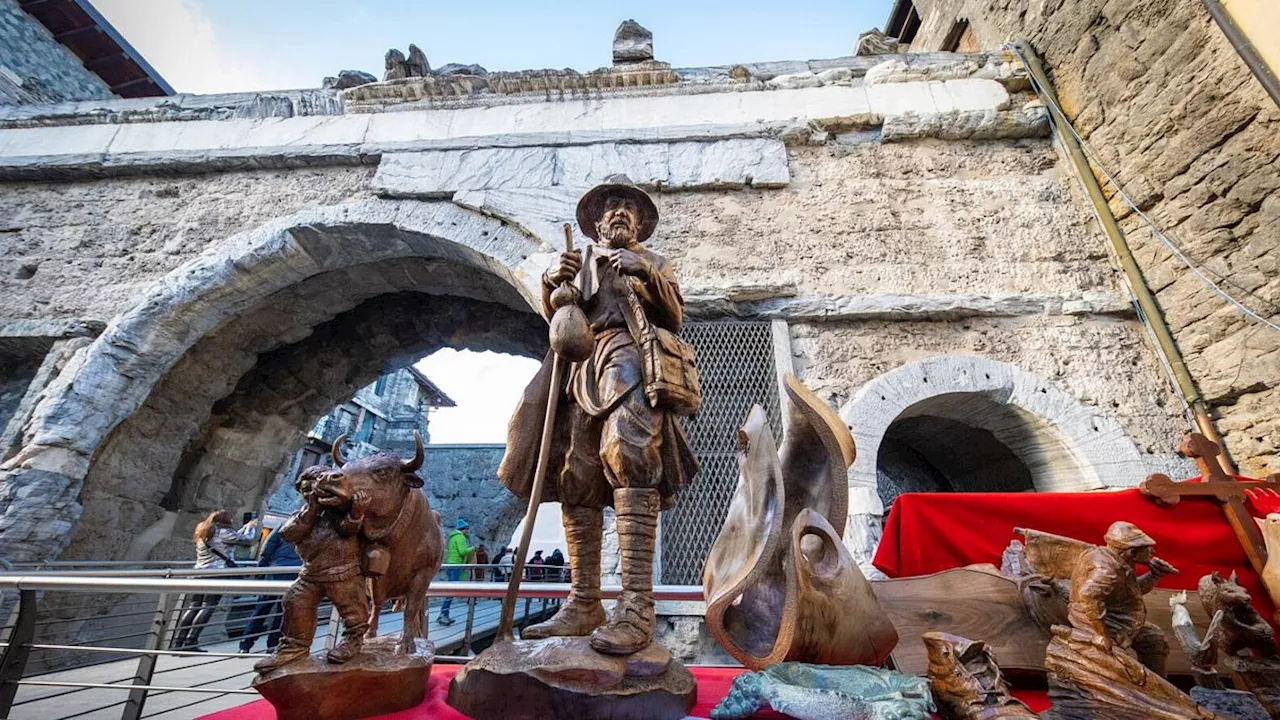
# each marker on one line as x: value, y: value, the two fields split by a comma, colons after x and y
x: 288, y: 651
x: 582, y: 612
x: 631, y: 627
x: 347, y: 649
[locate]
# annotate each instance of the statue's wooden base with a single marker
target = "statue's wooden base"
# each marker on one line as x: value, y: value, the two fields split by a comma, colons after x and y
x: 1087, y: 682
x: 564, y: 678
x: 378, y: 681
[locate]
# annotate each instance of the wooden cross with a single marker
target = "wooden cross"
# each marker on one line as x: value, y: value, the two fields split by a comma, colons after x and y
x: 1215, y: 482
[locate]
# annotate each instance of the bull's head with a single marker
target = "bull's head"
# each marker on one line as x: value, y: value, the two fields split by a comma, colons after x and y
x: 375, y: 475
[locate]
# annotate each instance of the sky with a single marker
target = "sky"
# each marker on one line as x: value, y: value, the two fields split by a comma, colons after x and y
x: 486, y: 387
x: 208, y: 46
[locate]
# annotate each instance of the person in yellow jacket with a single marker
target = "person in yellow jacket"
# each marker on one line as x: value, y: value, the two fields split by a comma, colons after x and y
x: 456, y: 552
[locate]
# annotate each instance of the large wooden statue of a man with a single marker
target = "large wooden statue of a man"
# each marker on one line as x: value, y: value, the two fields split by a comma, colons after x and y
x: 617, y: 440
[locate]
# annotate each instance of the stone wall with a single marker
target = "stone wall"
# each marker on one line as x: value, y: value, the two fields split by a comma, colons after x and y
x: 87, y: 249
x: 35, y: 68
x: 804, y: 196
x: 463, y: 483
x: 991, y: 222
x: 1170, y: 108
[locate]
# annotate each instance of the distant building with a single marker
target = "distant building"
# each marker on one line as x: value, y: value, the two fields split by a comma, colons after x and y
x: 61, y: 50
x: 379, y: 417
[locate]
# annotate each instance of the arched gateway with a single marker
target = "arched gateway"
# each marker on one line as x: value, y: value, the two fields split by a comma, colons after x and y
x: 218, y: 368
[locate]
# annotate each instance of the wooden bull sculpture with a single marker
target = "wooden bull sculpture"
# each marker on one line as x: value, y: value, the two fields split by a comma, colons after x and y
x: 400, y: 534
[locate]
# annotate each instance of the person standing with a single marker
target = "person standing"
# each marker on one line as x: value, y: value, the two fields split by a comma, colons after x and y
x: 555, y: 566
x: 506, y: 563
x: 456, y: 552
x: 276, y: 552
x: 214, y: 538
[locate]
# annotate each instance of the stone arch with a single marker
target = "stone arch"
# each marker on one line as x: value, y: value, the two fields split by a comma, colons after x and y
x: 1059, y: 442
x: 229, y: 323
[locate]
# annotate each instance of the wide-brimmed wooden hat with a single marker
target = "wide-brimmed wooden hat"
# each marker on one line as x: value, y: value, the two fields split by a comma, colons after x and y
x: 591, y: 206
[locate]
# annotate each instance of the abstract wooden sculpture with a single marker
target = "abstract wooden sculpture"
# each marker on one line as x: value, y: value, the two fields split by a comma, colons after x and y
x: 966, y: 681
x: 779, y: 583
x: 365, y: 523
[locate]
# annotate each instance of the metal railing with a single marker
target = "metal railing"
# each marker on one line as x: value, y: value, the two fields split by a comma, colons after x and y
x: 133, y: 659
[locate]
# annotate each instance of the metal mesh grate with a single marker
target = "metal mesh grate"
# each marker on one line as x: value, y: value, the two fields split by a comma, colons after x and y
x: 736, y: 367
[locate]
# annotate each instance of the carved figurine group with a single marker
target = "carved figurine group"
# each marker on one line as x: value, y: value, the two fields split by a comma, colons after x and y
x: 598, y: 427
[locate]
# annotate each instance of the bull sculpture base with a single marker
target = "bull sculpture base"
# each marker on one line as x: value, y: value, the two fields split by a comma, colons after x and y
x: 379, y: 680
x: 564, y: 678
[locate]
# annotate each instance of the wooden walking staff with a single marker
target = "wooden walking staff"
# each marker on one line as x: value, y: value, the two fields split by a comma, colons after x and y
x: 571, y: 341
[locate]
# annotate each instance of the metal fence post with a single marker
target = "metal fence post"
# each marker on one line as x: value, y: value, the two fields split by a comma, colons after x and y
x: 335, y: 628
x: 147, y: 663
x: 14, y: 662
x: 471, y: 619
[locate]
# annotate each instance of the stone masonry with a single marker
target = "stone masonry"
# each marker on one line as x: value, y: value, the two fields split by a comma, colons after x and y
x: 35, y: 68
x: 256, y: 258
x: 1170, y: 109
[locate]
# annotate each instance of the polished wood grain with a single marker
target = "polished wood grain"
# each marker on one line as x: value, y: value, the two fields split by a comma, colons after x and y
x: 780, y: 584
x: 978, y: 602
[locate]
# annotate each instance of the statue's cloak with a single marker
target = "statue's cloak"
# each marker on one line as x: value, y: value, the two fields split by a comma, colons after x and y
x: 524, y: 436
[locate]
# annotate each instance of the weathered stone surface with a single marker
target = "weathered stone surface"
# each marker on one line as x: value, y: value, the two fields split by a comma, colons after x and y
x: 874, y: 42
x: 900, y: 307
x: 632, y: 43
x: 513, y: 172
x: 462, y: 481
x: 1169, y: 107
x: 459, y: 69
x: 348, y: 79
x: 971, y: 125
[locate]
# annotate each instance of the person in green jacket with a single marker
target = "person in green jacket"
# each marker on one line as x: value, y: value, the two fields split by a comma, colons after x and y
x: 456, y: 552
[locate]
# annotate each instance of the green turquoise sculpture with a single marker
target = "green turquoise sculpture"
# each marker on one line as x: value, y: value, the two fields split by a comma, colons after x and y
x: 822, y: 692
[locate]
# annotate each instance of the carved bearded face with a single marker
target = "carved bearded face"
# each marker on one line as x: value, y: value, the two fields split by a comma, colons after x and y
x: 619, y: 223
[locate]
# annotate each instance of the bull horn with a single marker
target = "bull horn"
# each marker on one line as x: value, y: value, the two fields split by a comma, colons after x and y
x: 337, y: 451
x: 419, y: 455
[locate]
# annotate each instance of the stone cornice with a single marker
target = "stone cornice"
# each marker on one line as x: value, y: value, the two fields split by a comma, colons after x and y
x: 766, y: 304
x: 530, y: 86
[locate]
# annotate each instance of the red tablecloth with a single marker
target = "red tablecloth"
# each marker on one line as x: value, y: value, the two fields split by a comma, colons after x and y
x: 931, y: 532
x: 713, y: 685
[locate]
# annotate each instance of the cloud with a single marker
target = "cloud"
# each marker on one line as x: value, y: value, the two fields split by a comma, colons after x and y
x: 182, y: 44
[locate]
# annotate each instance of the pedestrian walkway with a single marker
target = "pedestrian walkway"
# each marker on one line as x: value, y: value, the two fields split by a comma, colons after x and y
x: 220, y: 670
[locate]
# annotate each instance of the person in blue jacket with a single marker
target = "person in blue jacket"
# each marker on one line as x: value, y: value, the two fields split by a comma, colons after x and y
x: 276, y: 552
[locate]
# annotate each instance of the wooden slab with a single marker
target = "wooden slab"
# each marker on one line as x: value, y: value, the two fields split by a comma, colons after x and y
x: 979, y: 603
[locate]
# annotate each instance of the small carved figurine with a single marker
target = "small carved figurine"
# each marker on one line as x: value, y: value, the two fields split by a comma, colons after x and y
x: 821, y: 692
x: 1095, y: 588
x: 966, y: 680
x: 1241, y: 639
x: 328, y: 542
x: 363, y: 525
x: 1092, y: 672
x: 1202, y: 654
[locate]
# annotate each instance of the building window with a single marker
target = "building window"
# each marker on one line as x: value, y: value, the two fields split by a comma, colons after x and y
x: 961, y: 38
x: 380, y: 385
